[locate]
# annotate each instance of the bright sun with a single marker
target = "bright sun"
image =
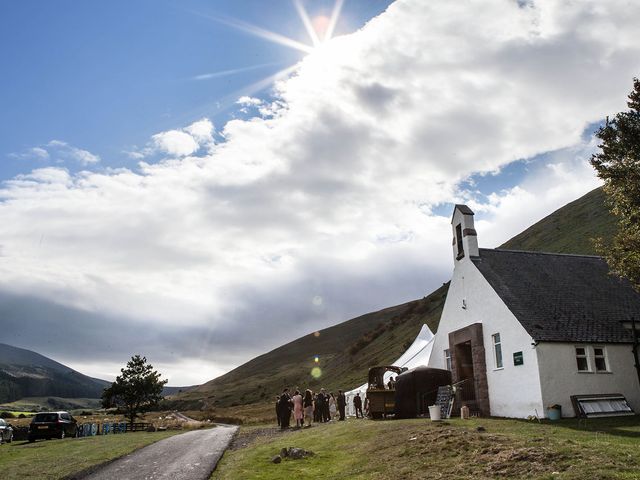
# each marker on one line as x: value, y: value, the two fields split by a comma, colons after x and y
x: 321, y: 26
x: 320, y: 29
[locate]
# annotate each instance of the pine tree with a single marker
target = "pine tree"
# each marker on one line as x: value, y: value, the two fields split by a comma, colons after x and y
x: 137, y: 390
x: 618, y: 164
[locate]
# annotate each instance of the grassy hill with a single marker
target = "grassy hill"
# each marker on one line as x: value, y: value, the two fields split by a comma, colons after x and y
x: 348, y: 349
x: 569, y: 229
x: 345, y: 352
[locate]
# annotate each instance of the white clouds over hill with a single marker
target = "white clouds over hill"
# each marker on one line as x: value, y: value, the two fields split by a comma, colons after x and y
x: 329, y: 195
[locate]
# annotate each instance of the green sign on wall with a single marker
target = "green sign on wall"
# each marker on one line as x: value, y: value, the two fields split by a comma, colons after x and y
x: 518, y: 358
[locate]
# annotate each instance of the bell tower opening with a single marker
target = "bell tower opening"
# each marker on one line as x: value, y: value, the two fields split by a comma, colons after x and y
x: 459, y: 242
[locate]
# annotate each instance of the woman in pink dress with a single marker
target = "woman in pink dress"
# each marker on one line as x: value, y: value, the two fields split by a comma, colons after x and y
x: 298, y: 412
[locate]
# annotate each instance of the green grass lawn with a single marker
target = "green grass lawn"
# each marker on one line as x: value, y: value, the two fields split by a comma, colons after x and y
x: 50, y: 459
x: 413, y: 449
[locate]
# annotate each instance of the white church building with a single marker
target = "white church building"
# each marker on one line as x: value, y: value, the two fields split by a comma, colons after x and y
x: 528, y: 330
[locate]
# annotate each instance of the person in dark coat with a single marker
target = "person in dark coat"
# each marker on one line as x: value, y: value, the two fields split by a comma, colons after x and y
x: 342, y: 403
x: 320, y: 405
x: 316, y: 408
x: 285, y: 409
x: 308, y: 406
x: 357, y: 403
x: 326, y: 416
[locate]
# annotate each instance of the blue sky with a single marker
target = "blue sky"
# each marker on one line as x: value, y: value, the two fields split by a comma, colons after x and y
x: 105, y: 76
x: 147, y: 198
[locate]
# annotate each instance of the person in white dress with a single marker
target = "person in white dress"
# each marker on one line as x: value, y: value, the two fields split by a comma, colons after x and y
x: 332, y: 406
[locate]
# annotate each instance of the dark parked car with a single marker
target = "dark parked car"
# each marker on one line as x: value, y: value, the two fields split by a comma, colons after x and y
x: 52, y: 425
x: 6, y: 432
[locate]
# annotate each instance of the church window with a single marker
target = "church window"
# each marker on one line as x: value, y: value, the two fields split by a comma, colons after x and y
x: 582, y: 359
x: 497, y: 350
x: 600, y: 359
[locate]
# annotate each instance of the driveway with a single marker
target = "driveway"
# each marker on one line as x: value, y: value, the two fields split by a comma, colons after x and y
x: 189, y: 456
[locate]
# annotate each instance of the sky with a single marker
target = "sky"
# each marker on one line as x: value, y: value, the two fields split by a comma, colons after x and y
x: 203, y: 181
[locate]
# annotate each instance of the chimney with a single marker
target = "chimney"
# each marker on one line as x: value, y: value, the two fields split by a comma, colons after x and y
x: 465, y: 238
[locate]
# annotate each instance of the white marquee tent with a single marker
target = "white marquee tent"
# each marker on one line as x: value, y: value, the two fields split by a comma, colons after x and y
x: 415, y: 356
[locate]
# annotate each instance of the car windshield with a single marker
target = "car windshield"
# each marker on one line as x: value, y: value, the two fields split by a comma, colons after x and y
x: 46, y: 417
x: 2, y: 423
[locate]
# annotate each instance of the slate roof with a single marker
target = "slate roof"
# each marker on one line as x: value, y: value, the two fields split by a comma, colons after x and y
x: 561, y: 298
x: 463, y: 208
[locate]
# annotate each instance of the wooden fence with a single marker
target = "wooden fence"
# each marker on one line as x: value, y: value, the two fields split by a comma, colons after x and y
x: 107, y: 428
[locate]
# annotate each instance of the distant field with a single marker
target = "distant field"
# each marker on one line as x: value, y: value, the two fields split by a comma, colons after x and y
x: 420, y: 449
x: 53, y: 459
x: 52, y: 403
x: 17, y: 413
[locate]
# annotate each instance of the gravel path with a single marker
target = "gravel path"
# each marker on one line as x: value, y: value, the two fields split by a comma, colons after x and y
x: 184, y: 418
x: 189, y: 456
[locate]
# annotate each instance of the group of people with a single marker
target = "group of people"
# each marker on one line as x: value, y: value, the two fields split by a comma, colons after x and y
x: 307, y: 407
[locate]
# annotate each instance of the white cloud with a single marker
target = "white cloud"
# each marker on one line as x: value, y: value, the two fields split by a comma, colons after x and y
x: 61, y: 152
x: 175, y: 142
x: 246, y: 101
x: 178, y: 143
x: 64, y: 151
x: 36, y: 153
x: 84, y: 157
x: 39, y: 153
x: 330, y: 194
x: 137, y: 155
x: 201, y: 131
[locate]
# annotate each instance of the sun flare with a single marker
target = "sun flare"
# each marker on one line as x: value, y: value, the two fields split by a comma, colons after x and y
x: 320, y: 29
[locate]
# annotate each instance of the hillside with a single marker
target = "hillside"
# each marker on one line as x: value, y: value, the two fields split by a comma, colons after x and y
x: 569, y: 229
x: 345, y: 352
x: 348, y: 349
x: 24, y: 373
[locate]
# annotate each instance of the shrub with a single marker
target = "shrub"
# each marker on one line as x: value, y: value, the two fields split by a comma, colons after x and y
x: 7, y: 415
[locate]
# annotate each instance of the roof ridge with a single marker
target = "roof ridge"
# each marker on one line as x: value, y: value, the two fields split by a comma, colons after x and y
x: 531, y: 252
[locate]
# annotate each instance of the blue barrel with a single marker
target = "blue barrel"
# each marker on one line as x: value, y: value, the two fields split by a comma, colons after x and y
x: 554, y: 414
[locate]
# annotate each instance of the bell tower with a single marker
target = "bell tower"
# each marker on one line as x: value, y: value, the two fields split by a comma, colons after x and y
x: 465, y: 238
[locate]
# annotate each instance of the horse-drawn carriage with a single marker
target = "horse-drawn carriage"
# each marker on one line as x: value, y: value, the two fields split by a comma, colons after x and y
x: 381, y: 396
